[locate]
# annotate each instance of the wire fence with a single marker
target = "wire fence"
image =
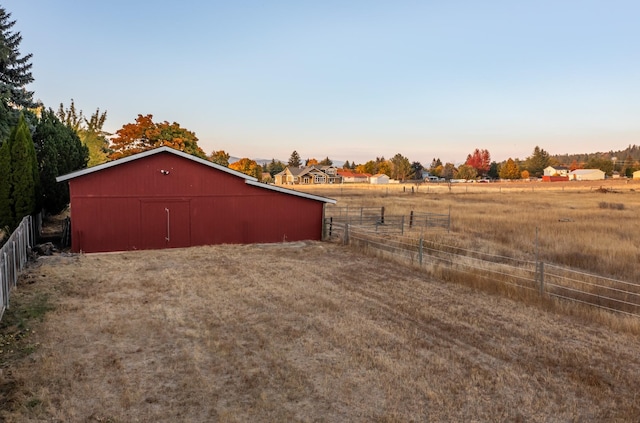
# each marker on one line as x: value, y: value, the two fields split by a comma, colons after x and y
x: 450, y: 262
x: 374, y: 217
x: 14, y: 256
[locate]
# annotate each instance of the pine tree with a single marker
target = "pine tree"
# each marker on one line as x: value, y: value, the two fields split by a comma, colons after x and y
x: 537, y: 162
x: 294, y: 160
x: 15, y: 74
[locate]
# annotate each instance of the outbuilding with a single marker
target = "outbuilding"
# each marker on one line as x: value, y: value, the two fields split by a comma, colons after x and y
x: 165, y: 198
x: 379, y: 178
x: 586, y: 175
x: 636, y: 174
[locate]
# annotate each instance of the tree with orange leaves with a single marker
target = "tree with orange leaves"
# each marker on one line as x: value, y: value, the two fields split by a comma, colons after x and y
x: 248, y: 167
x: 145, y: 134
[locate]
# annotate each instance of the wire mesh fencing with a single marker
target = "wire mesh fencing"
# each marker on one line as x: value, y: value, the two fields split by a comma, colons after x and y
x: 450, y: 262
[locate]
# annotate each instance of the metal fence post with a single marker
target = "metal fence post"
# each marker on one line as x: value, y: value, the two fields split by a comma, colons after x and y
x: 541, y: 277
x: 411, y: 219
x: 402, y: 226
x: 420, y: 252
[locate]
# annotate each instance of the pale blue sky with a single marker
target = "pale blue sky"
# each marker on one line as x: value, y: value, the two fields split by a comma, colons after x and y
x: 351, y: 80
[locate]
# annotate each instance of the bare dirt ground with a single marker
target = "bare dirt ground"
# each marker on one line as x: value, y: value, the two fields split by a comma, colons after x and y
x: 297, y: 332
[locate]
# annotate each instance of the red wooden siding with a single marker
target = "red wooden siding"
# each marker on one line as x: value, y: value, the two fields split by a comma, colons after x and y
x: 136, y: 206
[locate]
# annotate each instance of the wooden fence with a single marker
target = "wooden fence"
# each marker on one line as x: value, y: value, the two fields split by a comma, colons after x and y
x: 14, y: 255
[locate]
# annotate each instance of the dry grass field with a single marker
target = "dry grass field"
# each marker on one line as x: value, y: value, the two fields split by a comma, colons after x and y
x: 295, y: 332
x: 592, y: 226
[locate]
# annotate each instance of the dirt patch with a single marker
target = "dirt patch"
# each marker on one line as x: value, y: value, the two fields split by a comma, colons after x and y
x: 301, y: 332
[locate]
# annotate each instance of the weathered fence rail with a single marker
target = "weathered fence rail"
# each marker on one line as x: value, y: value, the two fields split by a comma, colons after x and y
x: 449, y: 263
x: 14, y: 255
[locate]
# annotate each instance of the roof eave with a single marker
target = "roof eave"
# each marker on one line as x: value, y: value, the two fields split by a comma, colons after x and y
x: 148, y: 153
x: 291, y: 192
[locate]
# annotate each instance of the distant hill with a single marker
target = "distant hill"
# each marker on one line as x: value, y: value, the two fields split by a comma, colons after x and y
x: 631, y: 153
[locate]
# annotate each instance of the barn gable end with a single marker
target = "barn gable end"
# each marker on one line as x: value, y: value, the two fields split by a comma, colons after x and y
x: 165, y: 198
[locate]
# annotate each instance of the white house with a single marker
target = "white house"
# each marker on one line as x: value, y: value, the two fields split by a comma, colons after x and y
x: 379, y: 178
x: 586, y: 175
x: 556, y: 171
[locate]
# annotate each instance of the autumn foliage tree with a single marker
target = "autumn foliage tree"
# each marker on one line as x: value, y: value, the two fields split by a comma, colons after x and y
x: 466, y: 172
x: 89, y: 131
x: 480, y: 160
x: 145, y: 134
x: 509, y: 170
x: 248, y: 167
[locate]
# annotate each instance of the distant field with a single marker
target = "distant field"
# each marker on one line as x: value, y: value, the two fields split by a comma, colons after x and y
x: 592, y: 226
x: 295, y: 332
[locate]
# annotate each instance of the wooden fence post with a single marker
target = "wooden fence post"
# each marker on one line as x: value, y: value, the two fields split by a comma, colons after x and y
x: 420, y: 252
x: 411, y: 219
x: 541, y: 277
x: 346, y: 234
x: 382, y: 215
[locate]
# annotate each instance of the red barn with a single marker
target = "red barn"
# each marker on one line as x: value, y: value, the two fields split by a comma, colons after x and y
x: 164, y: 198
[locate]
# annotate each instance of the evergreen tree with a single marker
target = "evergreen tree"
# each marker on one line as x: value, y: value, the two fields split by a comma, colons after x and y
x: 416, y: 170
x: 59, y: 151
x: 275, y: 167
x: 537, y: 162
x: 15, y: 74
x: 6, y: 203
x: 24, y: 171
x: 494, y: 169
x: 294, y: 160
x: 326, y: 161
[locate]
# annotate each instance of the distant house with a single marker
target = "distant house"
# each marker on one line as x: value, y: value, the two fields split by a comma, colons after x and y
x: 379, y: 179
x: 556, y: 171
x: 352, y: 177
x: 555, y: 174
x: 586, y: 175
x: 636, y: 174
x: 307, y: 175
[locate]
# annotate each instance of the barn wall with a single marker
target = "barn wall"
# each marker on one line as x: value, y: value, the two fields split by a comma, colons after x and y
x: 123, y: 208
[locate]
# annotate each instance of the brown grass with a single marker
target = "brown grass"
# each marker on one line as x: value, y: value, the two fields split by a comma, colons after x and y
x: 574, y: 229
x: 298, y: 332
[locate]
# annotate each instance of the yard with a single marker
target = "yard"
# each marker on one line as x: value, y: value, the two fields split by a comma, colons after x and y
x: 306, y: 331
